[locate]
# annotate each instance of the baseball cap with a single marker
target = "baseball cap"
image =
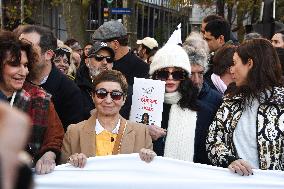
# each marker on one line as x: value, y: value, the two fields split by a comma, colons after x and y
x: 109, y: 30
x: 148, y: 42
x: 139, y: 42
x: 97, y: 46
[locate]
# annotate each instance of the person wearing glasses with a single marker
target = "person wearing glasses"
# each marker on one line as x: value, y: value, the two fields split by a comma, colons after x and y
x: 184, y: 120
x: 66, y: 95
x: 115, y: 35
x: 61, y: 59
x: 99, y: 58
x: 106, y: 132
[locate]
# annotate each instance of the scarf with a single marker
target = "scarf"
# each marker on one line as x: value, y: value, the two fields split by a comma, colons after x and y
x: 219, y: 84
x: 181, y: 130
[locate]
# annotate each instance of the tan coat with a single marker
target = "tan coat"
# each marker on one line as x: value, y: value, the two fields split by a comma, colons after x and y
x: 80, y: 138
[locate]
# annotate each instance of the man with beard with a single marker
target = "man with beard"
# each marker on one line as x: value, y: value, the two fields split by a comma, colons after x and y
x: 65, y: 94
x: 100, y: 58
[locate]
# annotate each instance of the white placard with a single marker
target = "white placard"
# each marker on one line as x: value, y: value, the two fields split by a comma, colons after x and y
x: 147, y: 101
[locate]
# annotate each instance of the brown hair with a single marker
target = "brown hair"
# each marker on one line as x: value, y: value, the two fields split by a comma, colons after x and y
x: 266, y: 70
x: 223, y: 59
x: 9, y: 45
x: 113, y: 76
x: 212, y: 17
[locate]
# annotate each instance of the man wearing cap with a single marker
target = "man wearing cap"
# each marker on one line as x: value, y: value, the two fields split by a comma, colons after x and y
x: 99, y: 58
x: 147, y: 45
x: 114, y: 34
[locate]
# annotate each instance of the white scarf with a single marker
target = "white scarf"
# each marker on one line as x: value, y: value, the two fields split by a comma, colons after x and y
x: 219, y: 83
x: 181, y: 130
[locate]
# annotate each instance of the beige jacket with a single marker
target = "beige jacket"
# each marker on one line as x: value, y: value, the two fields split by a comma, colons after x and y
x: 80, y: 138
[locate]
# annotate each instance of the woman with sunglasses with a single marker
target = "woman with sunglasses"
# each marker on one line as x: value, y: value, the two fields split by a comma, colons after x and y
x: 106, y: 132
x: 184, y: 120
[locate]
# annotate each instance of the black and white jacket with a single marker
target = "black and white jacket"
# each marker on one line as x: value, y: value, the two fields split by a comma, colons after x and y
x: 270, y: 131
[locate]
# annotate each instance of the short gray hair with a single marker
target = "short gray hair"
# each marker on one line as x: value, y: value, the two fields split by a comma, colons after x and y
x: 197, y: 50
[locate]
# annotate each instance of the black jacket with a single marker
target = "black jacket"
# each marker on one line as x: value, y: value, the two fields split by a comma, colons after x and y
x: 84, y: 82
x: 131, y: 66
x: 210, y: 97
x: 66, y: 96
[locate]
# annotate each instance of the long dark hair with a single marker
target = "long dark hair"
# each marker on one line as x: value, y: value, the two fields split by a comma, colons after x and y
x: 265, y: 73
x: 189, y: 95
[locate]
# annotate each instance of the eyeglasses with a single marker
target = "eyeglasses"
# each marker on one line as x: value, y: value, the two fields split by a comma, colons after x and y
x: 102, y: 94
x: 57, y: 60
x: 100, y: 58
x: 163, y: 75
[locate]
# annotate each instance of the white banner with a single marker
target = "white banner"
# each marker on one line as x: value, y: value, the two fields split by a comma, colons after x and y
x: 128, y: 171
x: 147, y: 101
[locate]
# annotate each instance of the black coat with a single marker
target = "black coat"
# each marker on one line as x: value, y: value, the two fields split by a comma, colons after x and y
x: 84, y: 82
x: 66, y: 96
x: 210, y: 97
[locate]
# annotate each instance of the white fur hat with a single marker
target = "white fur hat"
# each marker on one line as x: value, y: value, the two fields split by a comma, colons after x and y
x: 170, y: 56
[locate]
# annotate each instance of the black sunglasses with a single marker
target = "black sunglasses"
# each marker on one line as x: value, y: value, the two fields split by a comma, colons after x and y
x: 163, y: 75
x: 100, y: 58
x: 102, y: 94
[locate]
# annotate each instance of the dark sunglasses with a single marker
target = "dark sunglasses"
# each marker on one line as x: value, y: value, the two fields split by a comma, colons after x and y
x: 102, y: 94
x: 100, y: 58
x: 163, y: 75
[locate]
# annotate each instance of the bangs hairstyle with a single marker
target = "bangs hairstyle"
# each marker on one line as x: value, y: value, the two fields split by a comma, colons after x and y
x: 265, y: 72
x: 111, y: 76
x: 10, y: 50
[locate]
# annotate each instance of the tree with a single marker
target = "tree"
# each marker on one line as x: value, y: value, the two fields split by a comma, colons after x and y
x: 130, y: 21
x: 237, y: 10
x: 75, y: 14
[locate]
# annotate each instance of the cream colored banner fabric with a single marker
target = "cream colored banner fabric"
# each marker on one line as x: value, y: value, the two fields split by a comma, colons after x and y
x: 128, y: 171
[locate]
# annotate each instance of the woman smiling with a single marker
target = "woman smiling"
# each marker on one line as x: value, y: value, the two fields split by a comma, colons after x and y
x: 106, y: 132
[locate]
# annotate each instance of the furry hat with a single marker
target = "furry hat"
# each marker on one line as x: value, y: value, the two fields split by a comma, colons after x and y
x: 170, y: 56
x: 197, y: 50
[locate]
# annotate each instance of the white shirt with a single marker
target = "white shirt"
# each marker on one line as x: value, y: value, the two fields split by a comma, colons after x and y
x: 245, y: 135
x: 99, y: 128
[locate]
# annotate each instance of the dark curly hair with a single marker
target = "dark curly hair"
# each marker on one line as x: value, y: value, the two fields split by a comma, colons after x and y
x: 9, y: 48
x: 189, y: 94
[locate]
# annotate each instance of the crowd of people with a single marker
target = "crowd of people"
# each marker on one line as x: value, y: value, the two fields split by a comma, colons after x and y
x: 223, y: 100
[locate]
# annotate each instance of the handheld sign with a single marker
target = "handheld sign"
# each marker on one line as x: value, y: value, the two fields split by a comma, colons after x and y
x: 147, y: 101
